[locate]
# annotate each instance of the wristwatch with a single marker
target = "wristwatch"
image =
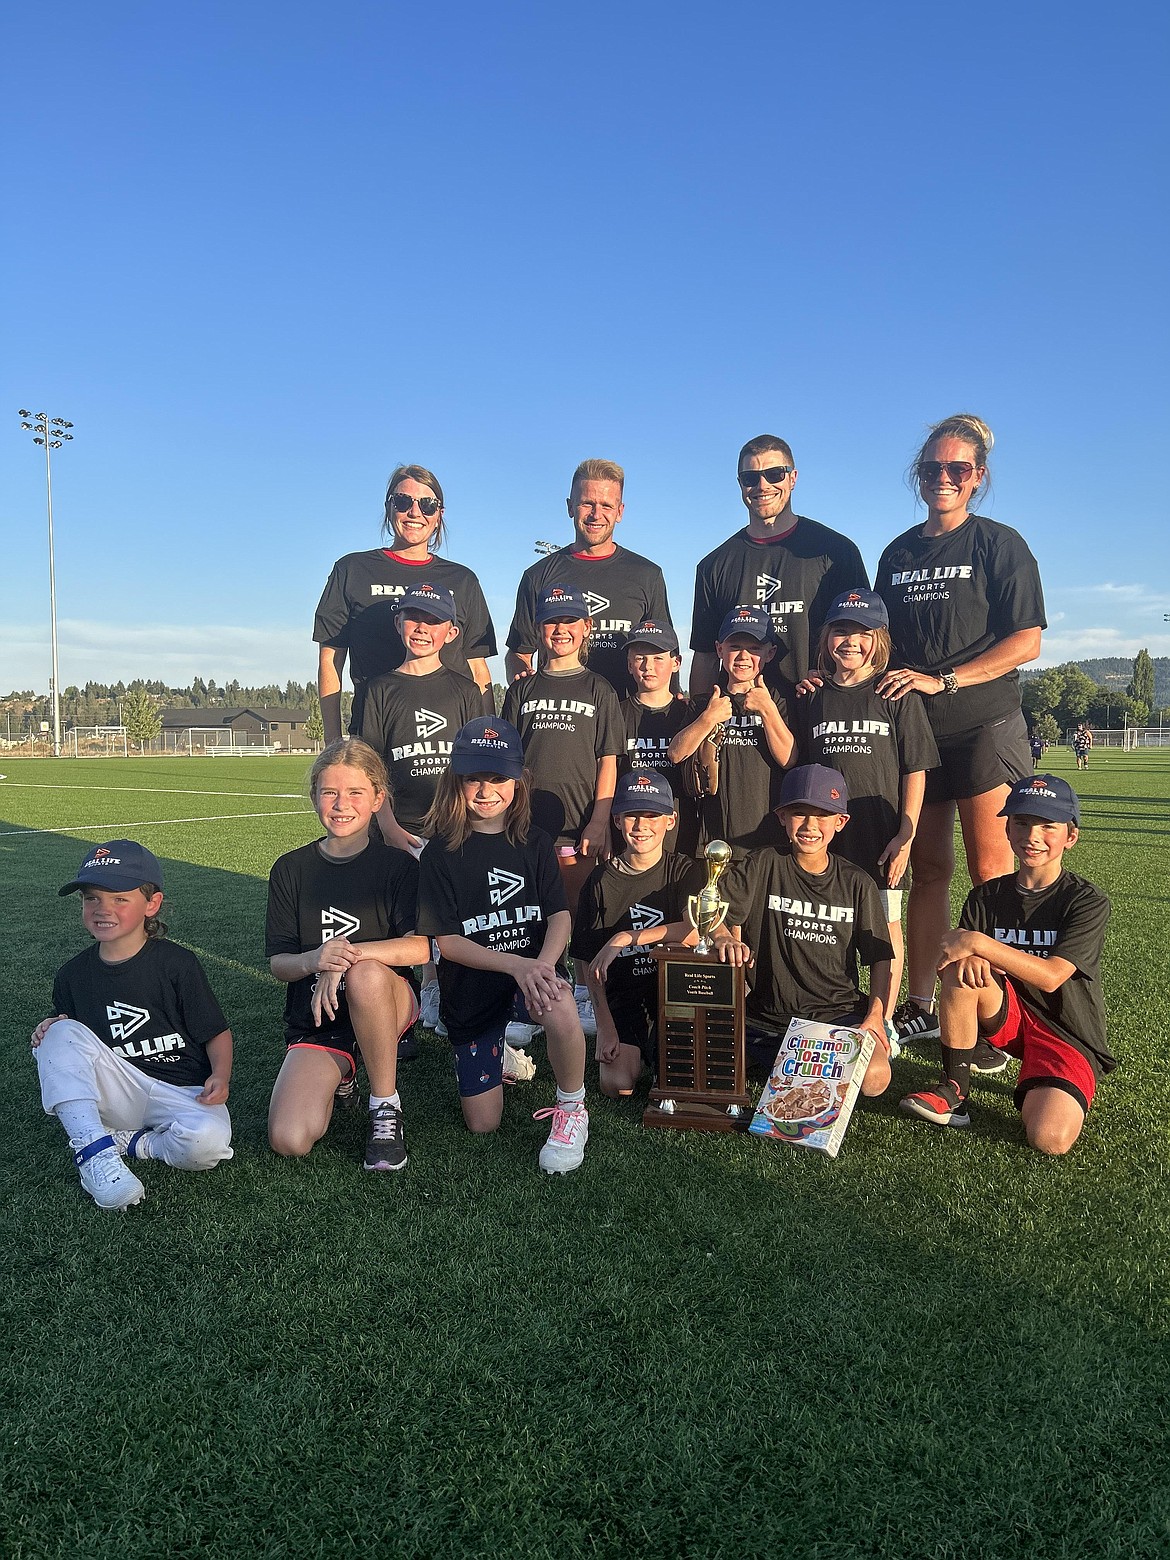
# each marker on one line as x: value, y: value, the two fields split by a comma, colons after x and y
x: 950, y: 683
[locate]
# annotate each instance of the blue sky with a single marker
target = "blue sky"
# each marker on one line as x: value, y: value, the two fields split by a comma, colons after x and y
x: 259, y: 254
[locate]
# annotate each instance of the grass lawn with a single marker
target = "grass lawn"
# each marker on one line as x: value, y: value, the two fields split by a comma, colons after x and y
x: 941, y: 1344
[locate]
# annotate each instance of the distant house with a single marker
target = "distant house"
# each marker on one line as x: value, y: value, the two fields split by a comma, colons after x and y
x: 250, y: 727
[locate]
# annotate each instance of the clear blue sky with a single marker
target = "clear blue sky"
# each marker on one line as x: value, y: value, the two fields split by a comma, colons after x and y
x: 258, y: 254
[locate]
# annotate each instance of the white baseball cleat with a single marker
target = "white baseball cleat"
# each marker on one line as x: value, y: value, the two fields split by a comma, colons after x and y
x: 518, y: 1065
x: 106, y: 1176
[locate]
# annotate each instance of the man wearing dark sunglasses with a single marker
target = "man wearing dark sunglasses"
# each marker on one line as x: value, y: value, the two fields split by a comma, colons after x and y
x: 789, y: 567
x: 622, y: 588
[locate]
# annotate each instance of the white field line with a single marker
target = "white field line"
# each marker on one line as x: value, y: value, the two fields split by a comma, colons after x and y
x: 157, y: 790
x: 158, y: 823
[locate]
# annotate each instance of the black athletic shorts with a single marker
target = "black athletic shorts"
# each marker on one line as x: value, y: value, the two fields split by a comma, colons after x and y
x: 636, y: 1022
x: 973, y: 762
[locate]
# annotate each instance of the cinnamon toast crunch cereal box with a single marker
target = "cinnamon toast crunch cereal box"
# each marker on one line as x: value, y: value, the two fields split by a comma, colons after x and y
x: 813, y: 1086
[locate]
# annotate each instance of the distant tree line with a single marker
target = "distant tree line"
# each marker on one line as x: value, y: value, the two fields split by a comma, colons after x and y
x: 125, y: 703
x: 1062, y: 696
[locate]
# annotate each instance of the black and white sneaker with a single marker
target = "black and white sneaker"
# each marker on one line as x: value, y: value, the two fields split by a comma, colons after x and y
x: 914, y: 1022
x: 988, y: 1059
x: 386, y: 1144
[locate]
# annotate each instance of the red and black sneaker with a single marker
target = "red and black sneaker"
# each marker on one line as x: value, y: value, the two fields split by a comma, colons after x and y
x: 941, y: 1103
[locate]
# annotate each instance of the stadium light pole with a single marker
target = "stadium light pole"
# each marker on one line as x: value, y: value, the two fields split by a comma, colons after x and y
x: 51, y: 433
x: 545, y: 549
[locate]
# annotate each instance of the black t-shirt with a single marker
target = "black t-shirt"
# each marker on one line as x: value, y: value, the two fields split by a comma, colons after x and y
x: 567, y: 722
x: 809, y: 934
x: 621, y: 590
x: 412, y: 722
x: 361, y: 596
x: 614, y: 900
x: 1066, y: 921
x: 498, y: 895
x: 648, y: 736
x: 795, y: 579
x: 313, y: 898
x: 749, y: 777
x: 873, y: 742
x: 952, y: 597
x: 155, y: 1010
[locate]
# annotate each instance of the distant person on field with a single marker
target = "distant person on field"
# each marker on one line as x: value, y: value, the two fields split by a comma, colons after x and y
x: 1023, y: 971
x: 1082, y: 741
x: 138, y: 1060
x: 1037, y: 744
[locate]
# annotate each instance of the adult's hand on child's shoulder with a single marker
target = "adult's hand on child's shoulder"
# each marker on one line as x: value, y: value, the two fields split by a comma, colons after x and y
x: 810, y: 683
x: 43, y: 1027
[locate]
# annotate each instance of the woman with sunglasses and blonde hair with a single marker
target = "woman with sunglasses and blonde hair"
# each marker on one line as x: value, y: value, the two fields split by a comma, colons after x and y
x: 966, y: 611
x: 355, y: 616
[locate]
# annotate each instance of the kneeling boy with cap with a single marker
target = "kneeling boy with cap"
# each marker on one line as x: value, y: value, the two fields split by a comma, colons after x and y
x: 811, y: 920
x: 1022, y: 969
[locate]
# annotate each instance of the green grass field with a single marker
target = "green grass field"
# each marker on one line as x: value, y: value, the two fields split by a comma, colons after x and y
x: 940, y: 1344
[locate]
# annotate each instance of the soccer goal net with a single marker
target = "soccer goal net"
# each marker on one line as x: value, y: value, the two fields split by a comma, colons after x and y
x: 97, y: 742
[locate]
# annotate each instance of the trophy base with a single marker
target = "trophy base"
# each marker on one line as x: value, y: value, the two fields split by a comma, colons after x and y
x: 693, y: 1116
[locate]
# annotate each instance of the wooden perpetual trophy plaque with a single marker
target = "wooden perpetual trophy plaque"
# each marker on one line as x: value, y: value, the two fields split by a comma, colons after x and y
x: 702, y: 1082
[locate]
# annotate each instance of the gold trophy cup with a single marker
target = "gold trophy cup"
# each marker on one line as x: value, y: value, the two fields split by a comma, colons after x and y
x: 705, y: 910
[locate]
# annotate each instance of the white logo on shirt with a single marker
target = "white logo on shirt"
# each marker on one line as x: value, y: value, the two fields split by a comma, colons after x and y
x: 503, y: 885
x: 133, y: 1018
x: 596, y: 604
x: 387, y: 590
x: 338, y: 923
x: 766, y: 587
x: 645, y: 916
x: 427, y: 722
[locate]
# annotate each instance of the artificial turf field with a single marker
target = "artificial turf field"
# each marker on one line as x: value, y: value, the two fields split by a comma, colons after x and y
x: 940, y: 1344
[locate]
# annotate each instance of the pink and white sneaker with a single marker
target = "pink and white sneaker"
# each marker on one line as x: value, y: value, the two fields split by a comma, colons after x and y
x: 565, y: 1148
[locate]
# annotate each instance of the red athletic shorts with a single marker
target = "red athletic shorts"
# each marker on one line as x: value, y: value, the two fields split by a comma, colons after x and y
x: 1046, y: 1061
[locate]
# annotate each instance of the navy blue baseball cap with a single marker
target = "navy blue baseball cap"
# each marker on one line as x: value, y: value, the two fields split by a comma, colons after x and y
x: 642, y: 791
x: 815, y: 785
x: 859, y: 606
x: 1043, y: 796
x: 746, y: 620
x: 657, y: 634
x: 118, y: 865
x: 435, y: 599
x: 562, y: 601
x: 488, y: 746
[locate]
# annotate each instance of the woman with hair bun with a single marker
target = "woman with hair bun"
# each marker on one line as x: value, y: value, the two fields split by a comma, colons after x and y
x: 966, y: 611
x: 355, y: 616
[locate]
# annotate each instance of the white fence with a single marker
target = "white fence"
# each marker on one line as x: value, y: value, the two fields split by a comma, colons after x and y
x: 1125, y: 736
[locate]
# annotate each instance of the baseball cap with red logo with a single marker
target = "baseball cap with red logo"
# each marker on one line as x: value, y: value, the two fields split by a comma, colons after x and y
x: 118, y: 865
x: 746, y: 620
x: 436, y: 600
x: 1043, y: 796
x: 815, y: 785
x: 658, y: 635
x: 642, y: 791
x: 562, y: 601
x: 488, y: 746
x: 859, y: 606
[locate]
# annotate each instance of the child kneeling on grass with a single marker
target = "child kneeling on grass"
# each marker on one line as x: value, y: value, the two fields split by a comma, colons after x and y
x: 340, y: 934
x: 492, y: 896
x: 628, y: 903
x: 138, y: 1060
x: 1022, y: 970
x: 811, y: 919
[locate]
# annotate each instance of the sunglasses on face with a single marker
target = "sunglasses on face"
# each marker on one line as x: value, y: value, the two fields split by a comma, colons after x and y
x: 958, y: 471
x: 772, y: 474
x: 403, y: 503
